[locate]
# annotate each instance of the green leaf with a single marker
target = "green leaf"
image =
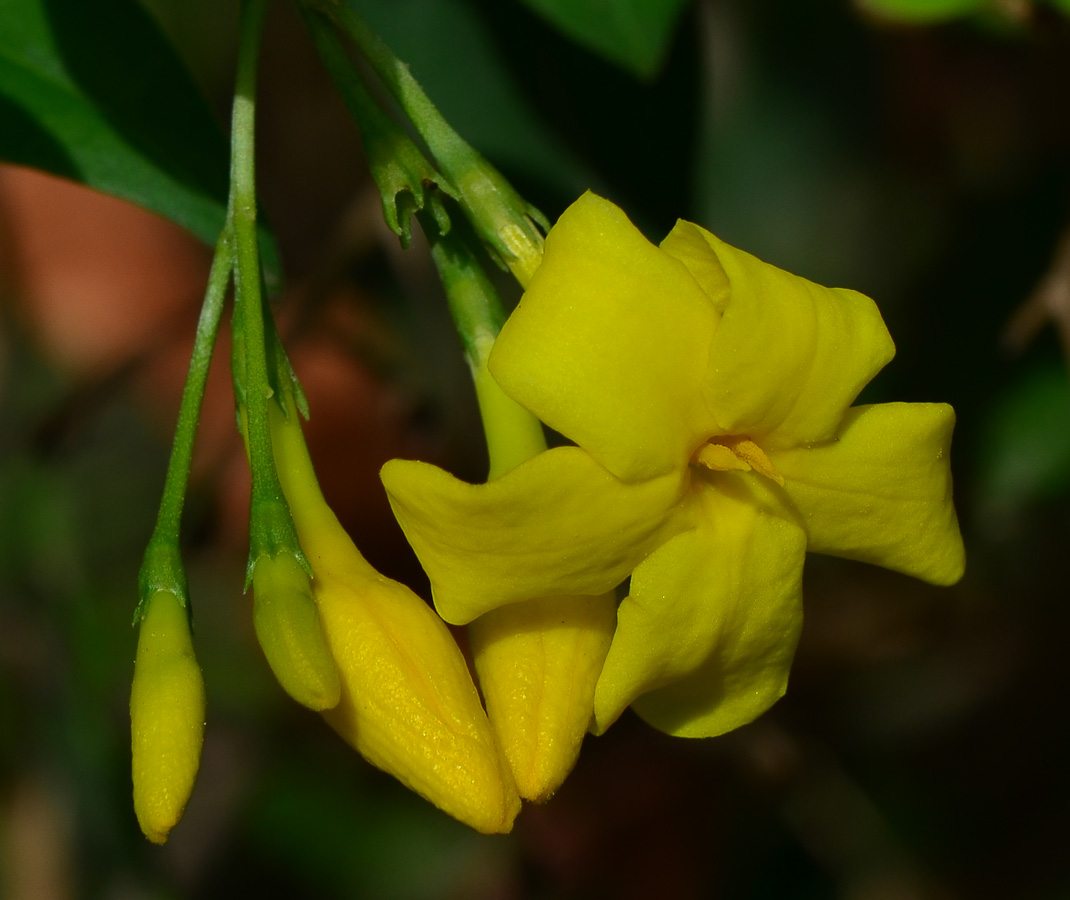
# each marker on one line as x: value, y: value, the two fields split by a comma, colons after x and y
x: 634, y: 34
x: 95, y: 93
x: 1026, y: 447
x: 922, y: 11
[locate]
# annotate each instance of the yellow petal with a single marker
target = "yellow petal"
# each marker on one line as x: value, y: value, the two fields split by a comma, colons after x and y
x: 556, y: 524
x: 609, y: 345
x: 538, y: 663
x: 166, y: 717
x: 789, y: 356
x: 408, y: 704
x: 705, y: 640
x: 687, y: 244
x: 881, y: 492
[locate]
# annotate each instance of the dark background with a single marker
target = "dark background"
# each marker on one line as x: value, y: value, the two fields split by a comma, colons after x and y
x: 920, y: 750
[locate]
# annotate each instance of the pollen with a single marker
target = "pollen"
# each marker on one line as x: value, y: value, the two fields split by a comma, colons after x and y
x: 740, y: 454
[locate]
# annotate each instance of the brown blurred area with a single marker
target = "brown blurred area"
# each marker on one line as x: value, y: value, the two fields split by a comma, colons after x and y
x: 108, y: 295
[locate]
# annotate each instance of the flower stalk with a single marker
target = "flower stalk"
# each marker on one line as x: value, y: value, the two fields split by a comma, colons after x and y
x: 284, y: 612
x: 407, y: 182
x: 167, y: 695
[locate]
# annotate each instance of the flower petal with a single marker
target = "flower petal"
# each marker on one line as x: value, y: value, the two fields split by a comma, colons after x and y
x: 609, y: 345
x: 705, y: 640
x: 789, y: 356
x: 557, y: 524
x: 881, y: 492
x: 686, y: 242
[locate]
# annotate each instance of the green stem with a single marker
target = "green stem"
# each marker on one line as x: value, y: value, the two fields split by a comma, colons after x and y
x: 247, y: 256
x: 433, y: 127
x: 398, y: 166
x: 162, y: 566
x: 271, y: 528
x: 513, y: 434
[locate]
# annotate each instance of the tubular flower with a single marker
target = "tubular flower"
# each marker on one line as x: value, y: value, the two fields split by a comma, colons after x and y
x: 408, y: 704
x: 710, y: 395
x: 166, y: 716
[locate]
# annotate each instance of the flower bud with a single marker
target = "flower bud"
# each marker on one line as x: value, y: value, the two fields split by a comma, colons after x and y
x: 408, y: 704
x: 538, y: 663
x: 290, y: 634
x: 166, y: 716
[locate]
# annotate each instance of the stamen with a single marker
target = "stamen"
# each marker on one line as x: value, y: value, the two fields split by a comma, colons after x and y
x: 720, y: 458
x: 727, y: 454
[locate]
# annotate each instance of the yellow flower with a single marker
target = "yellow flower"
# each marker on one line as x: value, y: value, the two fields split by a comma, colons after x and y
x: 166, y: 716
x: 408, y: 704
x: 710, y: 395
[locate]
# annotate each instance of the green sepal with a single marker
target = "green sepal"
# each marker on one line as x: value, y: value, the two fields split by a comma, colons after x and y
x: 161, y: 570
x: 271, y: 533
x: 511, y: 228
x: 407, y: 182
x: 281, y: 375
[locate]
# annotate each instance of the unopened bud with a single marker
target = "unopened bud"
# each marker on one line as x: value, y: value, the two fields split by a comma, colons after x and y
x: 166, y: 716
x: 288, y: 628
x: 408, y: 702
x: 538, y: 663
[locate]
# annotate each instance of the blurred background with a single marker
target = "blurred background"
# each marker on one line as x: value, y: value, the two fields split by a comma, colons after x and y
x: 920, y: 750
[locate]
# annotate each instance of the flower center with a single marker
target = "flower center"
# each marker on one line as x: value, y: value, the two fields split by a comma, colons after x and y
x: 727, y: 454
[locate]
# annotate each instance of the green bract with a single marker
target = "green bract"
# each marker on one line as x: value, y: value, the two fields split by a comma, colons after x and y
x: 710, y: 395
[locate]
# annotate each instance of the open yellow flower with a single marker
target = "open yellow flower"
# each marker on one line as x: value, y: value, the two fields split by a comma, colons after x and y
x: 710, y: 395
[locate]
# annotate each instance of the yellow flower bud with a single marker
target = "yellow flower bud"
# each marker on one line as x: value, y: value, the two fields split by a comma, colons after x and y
x: 166, y: 716
x: 408, y: 704
x: 538, y: 663
x: 289, y: 630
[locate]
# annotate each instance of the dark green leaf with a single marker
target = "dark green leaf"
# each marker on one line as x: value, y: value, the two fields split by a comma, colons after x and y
x: 1026, y: 455
x: 632, y: 33
x: 95, y: 93
x: 923, y: 11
